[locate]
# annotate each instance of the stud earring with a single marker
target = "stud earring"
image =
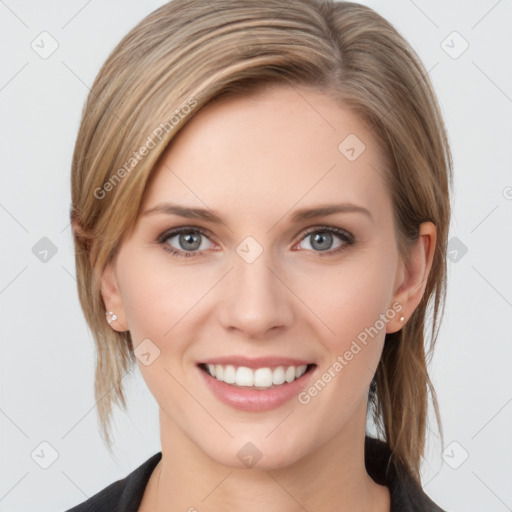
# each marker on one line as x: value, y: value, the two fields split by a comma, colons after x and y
x: 113, y: 316
x: 402, y: 318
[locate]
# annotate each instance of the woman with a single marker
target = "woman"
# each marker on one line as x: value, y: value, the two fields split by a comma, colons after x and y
x: 260, y: 206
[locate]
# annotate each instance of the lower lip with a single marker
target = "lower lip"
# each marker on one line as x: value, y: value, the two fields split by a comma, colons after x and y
x: 255, y: 400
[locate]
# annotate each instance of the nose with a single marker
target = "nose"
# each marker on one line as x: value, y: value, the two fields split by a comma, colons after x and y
x: 256, y: 300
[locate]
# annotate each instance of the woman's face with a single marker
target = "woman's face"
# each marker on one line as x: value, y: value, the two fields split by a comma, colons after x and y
x: 254, y: 285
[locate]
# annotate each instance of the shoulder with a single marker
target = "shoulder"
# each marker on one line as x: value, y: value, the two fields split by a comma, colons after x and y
x: 123, y: 495
x: 406, y: 494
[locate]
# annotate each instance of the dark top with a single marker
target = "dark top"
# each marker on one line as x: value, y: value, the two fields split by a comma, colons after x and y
x: 406, y: 495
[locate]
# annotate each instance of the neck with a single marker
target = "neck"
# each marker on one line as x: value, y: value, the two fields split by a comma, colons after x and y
x: 331, y: 477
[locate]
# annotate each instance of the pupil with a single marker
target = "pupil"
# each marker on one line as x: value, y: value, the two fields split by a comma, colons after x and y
x: 188, y: 239
x: 320, y: 238
x: 192, y: 241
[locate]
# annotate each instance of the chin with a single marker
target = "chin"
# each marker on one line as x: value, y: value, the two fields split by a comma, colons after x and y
x: 256, y: 452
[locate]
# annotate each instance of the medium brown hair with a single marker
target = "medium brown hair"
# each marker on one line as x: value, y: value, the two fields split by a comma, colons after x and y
x: 189, y: 52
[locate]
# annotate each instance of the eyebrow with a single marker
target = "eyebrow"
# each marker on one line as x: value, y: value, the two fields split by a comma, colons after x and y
x: 208, y: 215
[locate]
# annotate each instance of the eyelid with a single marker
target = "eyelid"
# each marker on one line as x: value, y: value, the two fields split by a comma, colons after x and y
x: 327, y: 228
x: 172, y: 232
x: 341, y: 233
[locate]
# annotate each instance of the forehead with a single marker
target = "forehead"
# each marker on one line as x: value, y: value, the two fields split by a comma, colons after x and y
x: 278, y: 147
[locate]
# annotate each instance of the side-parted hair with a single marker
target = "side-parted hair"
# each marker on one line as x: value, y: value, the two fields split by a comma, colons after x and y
x: 189, y: 52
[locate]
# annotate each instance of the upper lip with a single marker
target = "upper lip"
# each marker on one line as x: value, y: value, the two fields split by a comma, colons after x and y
x: 256, y: 362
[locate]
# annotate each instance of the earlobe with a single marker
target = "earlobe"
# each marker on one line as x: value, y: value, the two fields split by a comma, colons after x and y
x: 115, y: 312
x: 414, y: 275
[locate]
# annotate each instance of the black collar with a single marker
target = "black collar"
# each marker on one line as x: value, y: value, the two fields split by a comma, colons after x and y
x: 406, y: 494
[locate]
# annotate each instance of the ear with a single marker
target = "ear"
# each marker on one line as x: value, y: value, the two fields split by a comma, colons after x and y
x: 412, y: 278
x: 113, y: 299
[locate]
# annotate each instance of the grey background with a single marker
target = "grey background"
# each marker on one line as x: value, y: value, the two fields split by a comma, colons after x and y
x: 47, y: 353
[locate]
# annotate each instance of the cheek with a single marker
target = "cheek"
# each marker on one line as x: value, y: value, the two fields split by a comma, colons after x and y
x: 352, y: 306
x: 352, y: 298
x: 165, y: 385
x: 157, y: 296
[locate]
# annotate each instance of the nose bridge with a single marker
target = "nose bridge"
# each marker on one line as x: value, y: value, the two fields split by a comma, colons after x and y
x: 257, y: 300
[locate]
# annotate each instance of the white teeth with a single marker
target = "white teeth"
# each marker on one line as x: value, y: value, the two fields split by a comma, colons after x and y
x: 244, y: 376
x: 262, y: 378
x: 289, y: 375
x: 230, y: 374
x: 278, y: 375
x: 300, y: 370
x: 219, y: 372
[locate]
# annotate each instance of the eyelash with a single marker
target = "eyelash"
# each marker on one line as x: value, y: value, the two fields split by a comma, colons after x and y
x: 341, y: 233
x: 345, y: 236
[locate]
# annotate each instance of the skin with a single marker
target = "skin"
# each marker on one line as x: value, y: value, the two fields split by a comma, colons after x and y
x: 255, y: 160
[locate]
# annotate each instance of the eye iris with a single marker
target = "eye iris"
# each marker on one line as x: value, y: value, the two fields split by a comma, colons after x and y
x: 189, y: 238
x: 321, y: 238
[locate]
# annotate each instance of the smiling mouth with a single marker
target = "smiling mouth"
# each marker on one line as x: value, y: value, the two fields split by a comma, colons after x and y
x: 256, y: 378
